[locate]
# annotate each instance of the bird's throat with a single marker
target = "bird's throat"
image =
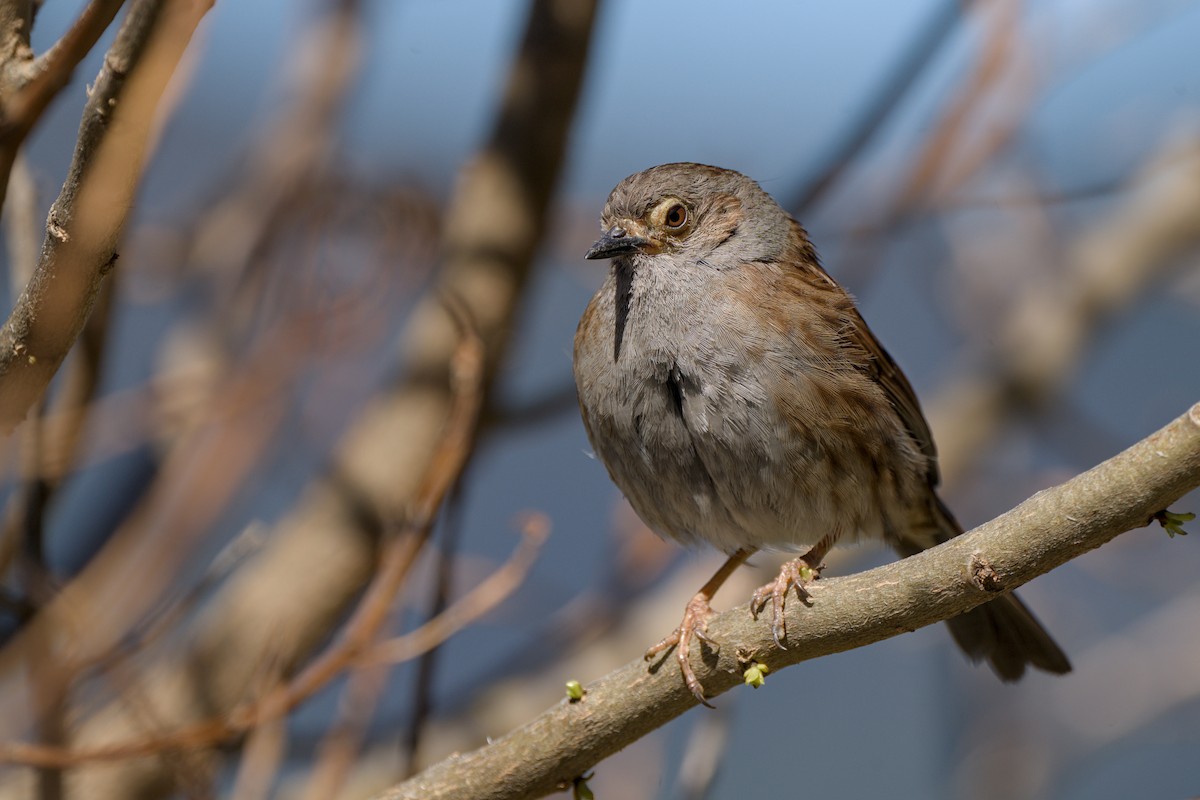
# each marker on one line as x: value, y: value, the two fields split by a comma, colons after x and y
x: 623, y: 286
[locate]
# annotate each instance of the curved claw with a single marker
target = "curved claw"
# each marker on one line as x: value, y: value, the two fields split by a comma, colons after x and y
x: 795, y: 573
x: 694, y: 624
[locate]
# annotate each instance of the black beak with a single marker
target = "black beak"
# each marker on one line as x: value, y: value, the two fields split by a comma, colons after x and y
x: 616, y: 242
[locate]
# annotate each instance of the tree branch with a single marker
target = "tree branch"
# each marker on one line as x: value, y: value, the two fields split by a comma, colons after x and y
x: 496, y: 220
x: 1045, y: 531
x: 87, y: 219
x: 896, y: 85
x: 28, y: 84
x: 50, y: 72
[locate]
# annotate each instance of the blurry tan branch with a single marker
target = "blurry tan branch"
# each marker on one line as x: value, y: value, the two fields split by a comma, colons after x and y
x: 485, y: 595
x: 362, y: 628
x: 1038, y: 347
x: 1044, y: 532
x: 28, y: 84
x: 22, y: 237
x: 87, y: 623
x: 942, y: 160
x: 1024, y: 368
x: 16, y: 18
x: 87, y: 219
x: 340, y: 745
x: 293, y: 147
x: 22, y: 226
x: 352, y: 650
x: 994, y: 63
x: 896, y: 87
x: 495, y: 222
x: 491, y: 231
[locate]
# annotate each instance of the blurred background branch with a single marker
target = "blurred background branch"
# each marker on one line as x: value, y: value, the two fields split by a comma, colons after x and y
x: 86, y: 222
x: 220, y: 450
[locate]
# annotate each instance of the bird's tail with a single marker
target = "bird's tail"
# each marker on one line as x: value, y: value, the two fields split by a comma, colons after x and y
x: 1002, y: 631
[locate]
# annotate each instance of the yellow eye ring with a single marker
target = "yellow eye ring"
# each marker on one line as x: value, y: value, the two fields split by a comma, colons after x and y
x: 676, y: 217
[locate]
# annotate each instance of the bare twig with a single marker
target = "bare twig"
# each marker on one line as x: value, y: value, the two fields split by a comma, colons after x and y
x: 43, y: 78
x: 164, y: 619
x: 496, y: 221
x: 47, y: 459
x: 363, y: 626
x: 899, y: 80
x: 448, y: 461
x: 72, y: 405
x: 261, y: 756
x: 927, y: 175
x: 265, y: 745
x: 485, y: 596
x: 87, y: 219
x: 341, y: 743
x: 1038, y: 346
x: 1042, y: 533
x: 995, y: 60
x: 93, y: 613
x: 443, y: 585
x: 293, y: 150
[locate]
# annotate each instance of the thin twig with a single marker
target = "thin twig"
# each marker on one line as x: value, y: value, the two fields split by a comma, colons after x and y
x: 287, y: 161
x: 265, y: 745
x: 993, y: 61
x: 367, y: 619
x: 1031, y: 354
x: 164, y: 619
x: 486, y: 595
x: 42, y: 78
x: 422, y: 686
x: 342, y: 741
x: 899, y: 80
x: 495, y: 223
x: 924, y: 177
x: 86, y: 221
x: 90, y: 618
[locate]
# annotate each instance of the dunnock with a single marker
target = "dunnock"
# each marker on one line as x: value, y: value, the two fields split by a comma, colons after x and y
x: 738, y: 398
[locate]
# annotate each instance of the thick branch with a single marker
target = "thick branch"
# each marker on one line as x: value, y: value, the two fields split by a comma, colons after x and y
x: 497, y: 218
x: 1045, y: 531
x: 494, y: 224
x: 52, y: 70
x: 16, y: 22
x: 28, y: 85
x: 87, y: 219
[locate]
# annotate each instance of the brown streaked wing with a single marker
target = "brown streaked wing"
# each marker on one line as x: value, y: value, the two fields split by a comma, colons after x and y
x: 883, y: 369
x: 880, y: 366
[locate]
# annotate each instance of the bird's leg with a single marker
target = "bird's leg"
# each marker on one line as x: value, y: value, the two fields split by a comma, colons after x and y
x: 798, y: 572
x: 695, y: 623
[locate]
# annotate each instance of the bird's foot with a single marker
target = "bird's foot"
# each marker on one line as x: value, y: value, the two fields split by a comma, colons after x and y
x: 694, y: 624
x: 796, y: 573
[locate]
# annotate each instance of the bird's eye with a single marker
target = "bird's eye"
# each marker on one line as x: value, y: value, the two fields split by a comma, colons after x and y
x: 676, y: 216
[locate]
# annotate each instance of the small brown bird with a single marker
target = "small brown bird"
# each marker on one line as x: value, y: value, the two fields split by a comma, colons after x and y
x: 738, y: 398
